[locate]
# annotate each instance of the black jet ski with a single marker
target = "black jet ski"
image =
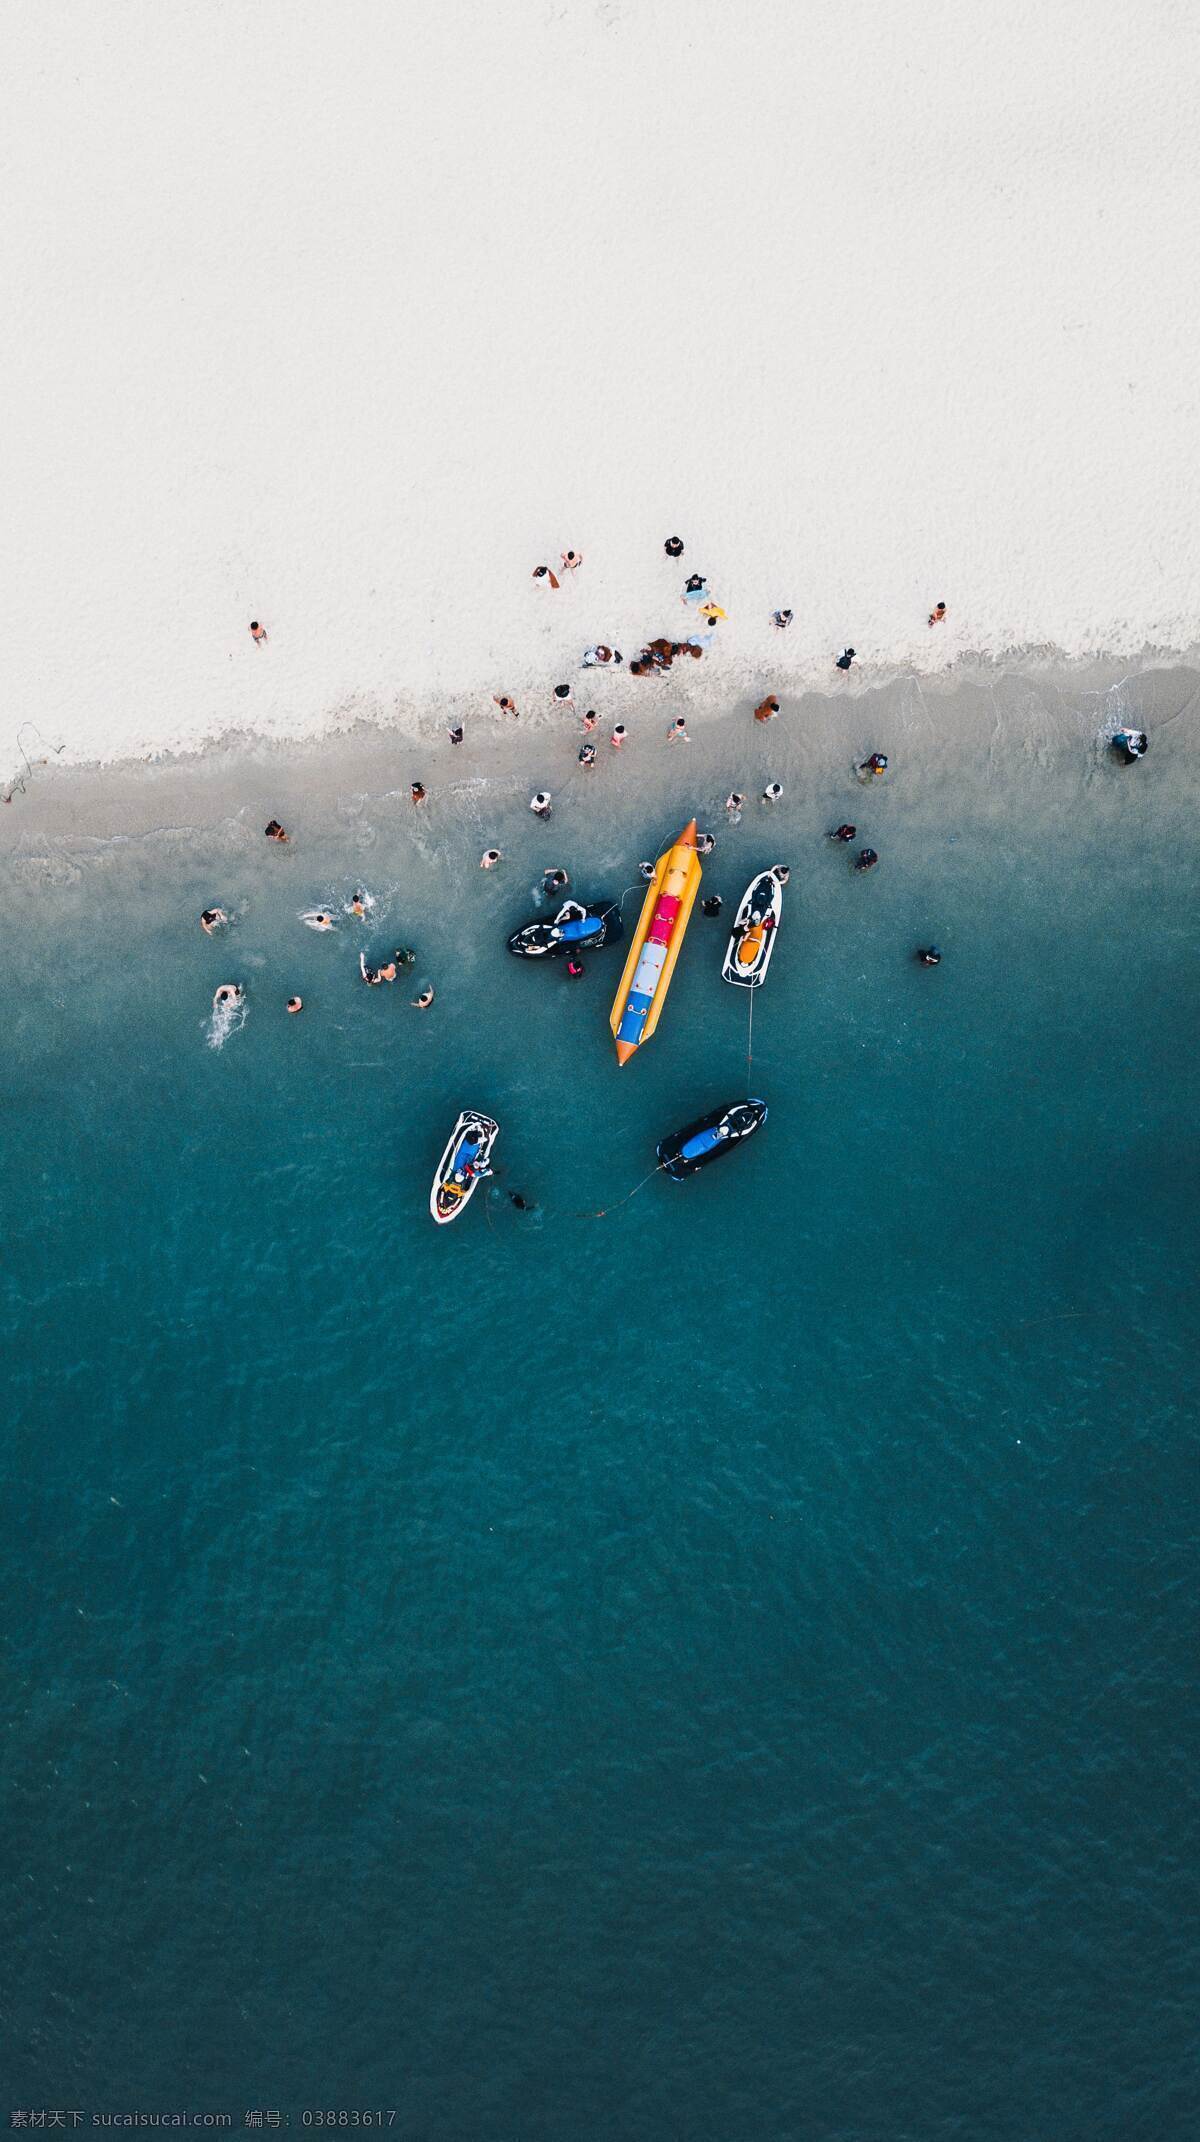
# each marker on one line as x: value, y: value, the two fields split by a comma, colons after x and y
x: 685, y: 1152
x: 575, y: 928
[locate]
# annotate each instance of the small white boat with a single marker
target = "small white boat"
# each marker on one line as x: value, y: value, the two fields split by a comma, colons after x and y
x: 467, y: 1158
x: 755, y: 928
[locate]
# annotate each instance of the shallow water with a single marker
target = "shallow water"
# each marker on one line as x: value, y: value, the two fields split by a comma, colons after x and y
x: 716, y: 1669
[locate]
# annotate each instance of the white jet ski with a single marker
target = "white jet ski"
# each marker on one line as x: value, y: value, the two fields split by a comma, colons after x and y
x: 755, y: 928
x: 467, y: 1158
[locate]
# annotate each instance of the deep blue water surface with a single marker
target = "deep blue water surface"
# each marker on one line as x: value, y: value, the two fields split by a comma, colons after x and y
x: 725, y: 1669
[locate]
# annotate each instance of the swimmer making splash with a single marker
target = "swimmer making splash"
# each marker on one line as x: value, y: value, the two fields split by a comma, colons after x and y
x: 318, y: 918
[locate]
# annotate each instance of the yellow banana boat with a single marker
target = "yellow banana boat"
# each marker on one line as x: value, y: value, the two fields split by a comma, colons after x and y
x: 670, y: 897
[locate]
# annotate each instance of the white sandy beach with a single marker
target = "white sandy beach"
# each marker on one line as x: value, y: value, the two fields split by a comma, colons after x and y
x: 346, y: 318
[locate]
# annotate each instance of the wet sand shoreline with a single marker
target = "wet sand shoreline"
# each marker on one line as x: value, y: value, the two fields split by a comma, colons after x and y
x: 953, y: 723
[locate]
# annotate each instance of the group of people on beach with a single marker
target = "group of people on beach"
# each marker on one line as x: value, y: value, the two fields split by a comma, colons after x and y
x: 655, y: 658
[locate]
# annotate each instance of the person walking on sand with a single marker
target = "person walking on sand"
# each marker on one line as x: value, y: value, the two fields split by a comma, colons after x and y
x: 258, y: 633
x: 274, y: 831
x: 562, y: 692
x: 489, y: 859
x: 674, y: 546
x: 781, y: 618
x: 587, y: 756
x: 213, y: 918
x: 767, y: 709
x: 543, y: 572
x: 677, y: 733
x: 505, y: 704
x: 772, y: 792
x: 571, y: 560
x: 589, y: 721
x: 601, y: 656
x: 846, y: 657
x: 618, y: 736
x: 937, y: 614
x: 418, y: 791
x: 457, y: 733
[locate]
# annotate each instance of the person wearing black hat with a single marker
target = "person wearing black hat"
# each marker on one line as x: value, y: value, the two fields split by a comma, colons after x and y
x: 673, y: 547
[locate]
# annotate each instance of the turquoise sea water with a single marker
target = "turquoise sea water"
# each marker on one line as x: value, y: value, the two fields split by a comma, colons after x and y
x: 721, y: 1669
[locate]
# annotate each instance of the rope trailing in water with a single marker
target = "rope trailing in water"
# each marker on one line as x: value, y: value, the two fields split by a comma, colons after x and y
x: 602, y: 1211
x: 750, y: 1032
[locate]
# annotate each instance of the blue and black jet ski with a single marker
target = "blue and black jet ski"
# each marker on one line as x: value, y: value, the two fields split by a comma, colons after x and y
x: 575, y: 928
x: 685, y: 1152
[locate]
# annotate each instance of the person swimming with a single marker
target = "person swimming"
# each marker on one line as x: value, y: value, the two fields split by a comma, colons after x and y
x: 295, y: 1004
x: 228, y: 993
x: 646, y: 871
x: 489, y: 859
x: 358, y: 904
x: 866, y: 859
x: 929, y: 956
x: 712, y: 905
x: 213, y: 918
x: 843, y: 833
x: 574, y: 968
x: 733, y: 805
x: 781, y: 872
x: 422, y: 1002
x: 556, y: 880
x: 274, y: 831
x: 318, y: 918
x: 705, y: 843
